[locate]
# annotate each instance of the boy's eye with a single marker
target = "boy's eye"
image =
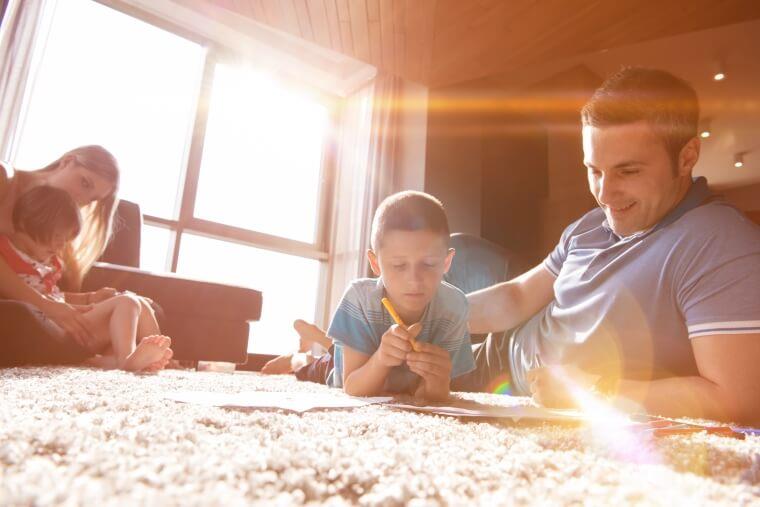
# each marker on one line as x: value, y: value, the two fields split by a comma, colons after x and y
x: 629, y: 172
x: 398, y: 266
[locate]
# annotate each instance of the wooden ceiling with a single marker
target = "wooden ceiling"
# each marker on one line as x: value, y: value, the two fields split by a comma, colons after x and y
x: 442, y: 42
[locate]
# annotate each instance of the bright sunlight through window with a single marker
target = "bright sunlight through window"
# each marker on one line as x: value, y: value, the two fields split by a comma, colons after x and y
x: 262, y: 156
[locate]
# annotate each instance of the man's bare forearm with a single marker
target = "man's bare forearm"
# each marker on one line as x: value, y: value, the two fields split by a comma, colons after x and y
x: 494, y: 309
x: 688, y: 397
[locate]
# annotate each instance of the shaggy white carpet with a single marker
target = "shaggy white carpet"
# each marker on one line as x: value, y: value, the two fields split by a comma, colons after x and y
x: 75, y: 436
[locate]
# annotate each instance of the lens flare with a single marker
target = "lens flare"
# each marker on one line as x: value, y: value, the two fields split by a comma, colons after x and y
x: 500, y: 385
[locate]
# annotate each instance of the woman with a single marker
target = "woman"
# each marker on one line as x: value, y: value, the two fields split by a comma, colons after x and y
x: 90, y: 174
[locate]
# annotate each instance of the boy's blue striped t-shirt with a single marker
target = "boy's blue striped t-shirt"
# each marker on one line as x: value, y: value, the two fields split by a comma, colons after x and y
x: 361, y: 320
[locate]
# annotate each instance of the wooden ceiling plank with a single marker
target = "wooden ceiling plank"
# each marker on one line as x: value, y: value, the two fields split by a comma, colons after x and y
x: 304, y: 19
x: 399, y: 36
x: 373, y: 10
x: 346, y: 35
x: 334, y: 24
x: 289, y: 17
x: 386, y: 35
x: 272, y: 14
x: 414, y: 20
x: 319, y: 25
x: 375, y: 43
x: 359, y: 29
x: 259, y: 14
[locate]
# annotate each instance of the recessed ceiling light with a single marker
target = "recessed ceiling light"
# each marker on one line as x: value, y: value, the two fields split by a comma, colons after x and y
x: 739, y: 160
x: 705, y: 129
x: 719, y: 76
x: 704, y: 134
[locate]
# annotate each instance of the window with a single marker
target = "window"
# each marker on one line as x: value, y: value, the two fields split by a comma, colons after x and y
x: 226, y: 161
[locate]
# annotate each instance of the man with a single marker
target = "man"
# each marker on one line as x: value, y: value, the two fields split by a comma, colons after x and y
x: 652, y: 297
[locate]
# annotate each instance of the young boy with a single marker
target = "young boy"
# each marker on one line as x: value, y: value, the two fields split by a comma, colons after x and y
x: 45, y: 219
x: 372, y: 354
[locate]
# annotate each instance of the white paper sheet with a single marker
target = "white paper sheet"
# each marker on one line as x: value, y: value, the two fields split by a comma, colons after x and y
x: 294, y: 402
x: 515, y: 412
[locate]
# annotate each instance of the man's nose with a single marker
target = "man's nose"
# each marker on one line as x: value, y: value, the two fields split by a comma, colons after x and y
x: 608, y: 187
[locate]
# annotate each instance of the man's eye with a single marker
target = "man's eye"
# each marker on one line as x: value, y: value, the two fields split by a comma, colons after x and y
x: 86, y: 183
x: 398, y: 266
x: 630, y: 172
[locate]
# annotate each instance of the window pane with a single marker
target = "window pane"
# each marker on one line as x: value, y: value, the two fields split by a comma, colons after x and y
x: 288, y: 284
x: 154, y: 248
x: 107, y: 78
x: 262, y: 156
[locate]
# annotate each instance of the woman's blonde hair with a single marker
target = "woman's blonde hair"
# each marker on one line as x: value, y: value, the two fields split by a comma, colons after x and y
x: 97, y: 217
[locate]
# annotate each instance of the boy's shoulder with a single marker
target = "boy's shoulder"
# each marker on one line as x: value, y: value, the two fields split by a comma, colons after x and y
x: 450, y: 300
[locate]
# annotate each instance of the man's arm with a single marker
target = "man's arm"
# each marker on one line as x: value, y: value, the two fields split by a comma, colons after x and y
x: 509, y: 304
x: 727, y: 388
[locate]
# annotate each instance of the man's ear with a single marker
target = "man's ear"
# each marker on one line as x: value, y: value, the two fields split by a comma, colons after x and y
x: 689, y: 156
x: 373, y: 262
x: 447, y: 261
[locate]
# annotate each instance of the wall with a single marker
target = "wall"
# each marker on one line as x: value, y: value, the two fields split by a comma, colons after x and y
x: 745, y: 198
x: 508, y: 164
x: 412, y: 134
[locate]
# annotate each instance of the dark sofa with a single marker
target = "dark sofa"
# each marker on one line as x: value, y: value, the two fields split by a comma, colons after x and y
x: 206, y: 320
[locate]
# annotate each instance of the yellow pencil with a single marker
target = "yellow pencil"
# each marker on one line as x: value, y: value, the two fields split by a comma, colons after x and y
x: 397, y: 319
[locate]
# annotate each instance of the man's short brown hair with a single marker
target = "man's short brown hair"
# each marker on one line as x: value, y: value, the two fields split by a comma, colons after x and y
x: 633, y: 94
x: 409, y: 211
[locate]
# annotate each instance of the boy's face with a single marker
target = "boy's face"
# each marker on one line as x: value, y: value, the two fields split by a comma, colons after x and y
x: 38, y: 250
x: 412, y: 264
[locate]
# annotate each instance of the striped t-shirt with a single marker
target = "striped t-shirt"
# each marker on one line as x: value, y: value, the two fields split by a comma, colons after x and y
x: 631, y: 305
x: 361, y: 320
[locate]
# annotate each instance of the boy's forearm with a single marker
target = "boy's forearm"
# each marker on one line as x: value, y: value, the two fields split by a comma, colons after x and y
x: 368, y: 379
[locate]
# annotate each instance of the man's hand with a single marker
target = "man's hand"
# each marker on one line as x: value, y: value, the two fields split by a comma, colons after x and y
x: 102, y: 294
x: 71, y: 320
x: 395, y: 344
x: 433, y: 365
x: 559, y: 386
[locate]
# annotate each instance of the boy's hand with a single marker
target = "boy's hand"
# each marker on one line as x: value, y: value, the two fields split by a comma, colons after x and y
x: 395, y: 344
x: 433, y: 364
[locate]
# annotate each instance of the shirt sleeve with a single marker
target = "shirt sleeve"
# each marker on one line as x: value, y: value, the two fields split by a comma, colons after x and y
x: 724, y: 299
x: 557, y: 257
x: 462, y: 360
x: 453, y: 335
x: 350, y: 327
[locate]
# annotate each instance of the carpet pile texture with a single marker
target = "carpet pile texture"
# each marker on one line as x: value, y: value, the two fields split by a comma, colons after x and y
x: 78, y: 436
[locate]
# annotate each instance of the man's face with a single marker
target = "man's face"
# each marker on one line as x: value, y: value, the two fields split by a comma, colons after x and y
x: 631, y: 174
x: 412, y: 264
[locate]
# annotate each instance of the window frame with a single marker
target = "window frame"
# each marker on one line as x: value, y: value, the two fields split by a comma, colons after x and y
x: 215, y: 53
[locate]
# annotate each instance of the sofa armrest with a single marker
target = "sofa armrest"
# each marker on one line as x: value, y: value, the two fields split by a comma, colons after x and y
x: 180, y: 295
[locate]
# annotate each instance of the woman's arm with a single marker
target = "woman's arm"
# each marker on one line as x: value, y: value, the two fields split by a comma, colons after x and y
x: 70, y: 319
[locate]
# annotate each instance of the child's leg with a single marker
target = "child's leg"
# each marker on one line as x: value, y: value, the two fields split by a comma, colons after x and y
x: 146, y: 324
x: 310, y: 333
x: 318, y: 370
x: 120, y: 316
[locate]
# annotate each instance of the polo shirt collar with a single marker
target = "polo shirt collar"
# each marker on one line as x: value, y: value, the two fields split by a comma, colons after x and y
x: 697, y: 195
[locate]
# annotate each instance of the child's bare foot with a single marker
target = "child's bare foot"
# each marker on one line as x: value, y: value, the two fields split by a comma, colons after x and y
x: 164, y: 362
x: 308, y: 334
x: 278, y: 366
x: 150, y: 350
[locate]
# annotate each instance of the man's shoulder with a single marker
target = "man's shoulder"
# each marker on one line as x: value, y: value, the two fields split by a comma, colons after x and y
x: 717, y: 221
x: 593, y: 219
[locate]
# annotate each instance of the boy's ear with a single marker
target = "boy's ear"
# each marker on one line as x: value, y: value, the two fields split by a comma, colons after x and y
x: 447, y: 261
x: 373, y: 262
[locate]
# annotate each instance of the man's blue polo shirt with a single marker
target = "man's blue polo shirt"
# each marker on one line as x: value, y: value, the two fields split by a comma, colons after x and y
x: 630, y: 305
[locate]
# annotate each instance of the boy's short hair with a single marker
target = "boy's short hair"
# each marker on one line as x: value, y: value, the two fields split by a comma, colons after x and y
x: 45, y: 210
x: 667, y: 103
x: 409, y: 211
